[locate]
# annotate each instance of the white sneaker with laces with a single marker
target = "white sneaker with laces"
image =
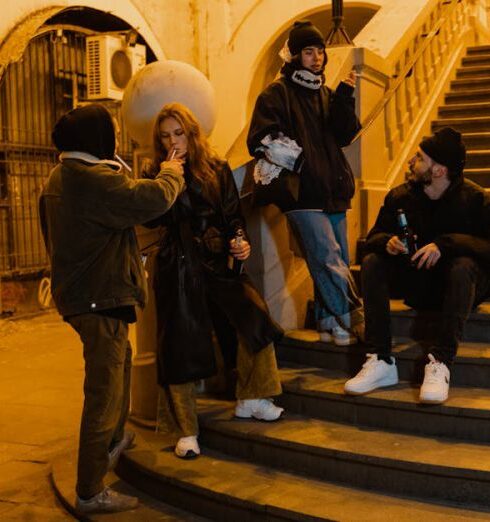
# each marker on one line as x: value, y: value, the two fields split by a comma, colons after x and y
x: 260, y: 409
x: 375, y: 373
x: 435, y: 388
x: 187, y: 447
x: 339, y: 336
x: 107, y: 501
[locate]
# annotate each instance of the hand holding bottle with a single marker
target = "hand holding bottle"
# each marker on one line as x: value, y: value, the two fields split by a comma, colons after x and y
x: 240, y: 247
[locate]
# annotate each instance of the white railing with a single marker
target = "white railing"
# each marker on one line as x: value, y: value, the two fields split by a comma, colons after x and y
x: 415, y: 84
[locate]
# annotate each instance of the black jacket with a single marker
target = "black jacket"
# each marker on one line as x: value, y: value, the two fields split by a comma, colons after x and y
x: 87, y: 216
x: 458, y: 223
x: 321, y: 122
x: 195, y: 291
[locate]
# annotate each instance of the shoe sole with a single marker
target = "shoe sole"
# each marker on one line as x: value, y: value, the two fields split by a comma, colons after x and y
x: 432, y: 401
x: 346, y: 342
x: 382, y: 384
x: 259, y: 419
x: 188, y: 456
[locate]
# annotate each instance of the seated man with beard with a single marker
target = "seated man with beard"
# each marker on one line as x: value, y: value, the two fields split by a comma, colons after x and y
x: 447, y: 269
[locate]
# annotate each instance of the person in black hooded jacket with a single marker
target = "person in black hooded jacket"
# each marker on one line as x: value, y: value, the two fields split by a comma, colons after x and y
x: 297, y: 132
x: 88, y: 209
x: 199, y: 299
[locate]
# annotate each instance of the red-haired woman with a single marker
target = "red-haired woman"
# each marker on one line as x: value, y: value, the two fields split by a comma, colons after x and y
x: 199, y: 299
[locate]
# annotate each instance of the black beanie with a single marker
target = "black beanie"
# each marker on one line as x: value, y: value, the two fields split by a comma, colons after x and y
x: 86, y: 129
x: 304, y: 34
x: 446, y: 148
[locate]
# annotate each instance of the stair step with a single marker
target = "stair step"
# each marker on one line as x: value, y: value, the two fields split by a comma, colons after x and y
x: 482, y: 58
x: 62, y: 478
x: 475, y: 96
x: 464, y: 110
x: 224, y: 489
x: 470, y: 368
x: 463, y: 124
x: 479, y: 175
x: 319, y: 393
x: 478, y: 159
x: 406, y: 322
x: 470, y: 84
x: 393, y: 463
x: 477, y: 71
x: 477, y: 140
x: 478, y: 49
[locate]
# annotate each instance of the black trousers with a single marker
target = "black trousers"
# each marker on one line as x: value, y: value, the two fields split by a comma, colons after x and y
x: 453, y: 287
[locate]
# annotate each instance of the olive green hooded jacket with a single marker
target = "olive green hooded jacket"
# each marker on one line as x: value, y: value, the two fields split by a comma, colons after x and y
x: 88, y: 211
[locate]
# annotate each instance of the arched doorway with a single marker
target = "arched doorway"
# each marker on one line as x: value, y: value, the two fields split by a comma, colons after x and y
x: 35, y: 91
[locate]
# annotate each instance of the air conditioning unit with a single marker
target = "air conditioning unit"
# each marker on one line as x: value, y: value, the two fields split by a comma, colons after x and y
x: 110, y: 65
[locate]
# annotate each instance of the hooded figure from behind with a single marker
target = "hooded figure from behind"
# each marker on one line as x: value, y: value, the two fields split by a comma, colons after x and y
x: 88, y: 209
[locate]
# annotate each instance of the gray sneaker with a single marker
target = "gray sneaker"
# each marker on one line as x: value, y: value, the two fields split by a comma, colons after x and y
x: 107, y: 501
x: 116, y: 451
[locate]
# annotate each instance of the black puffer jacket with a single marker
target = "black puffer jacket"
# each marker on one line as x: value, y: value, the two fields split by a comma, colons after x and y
x: 321, y: 122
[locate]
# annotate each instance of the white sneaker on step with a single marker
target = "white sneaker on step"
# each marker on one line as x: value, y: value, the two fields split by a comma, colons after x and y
x: 339, y: 336
x: 187, y: 447
x: 435, y: 388
x: 375, y: 373
x: 260, y: 409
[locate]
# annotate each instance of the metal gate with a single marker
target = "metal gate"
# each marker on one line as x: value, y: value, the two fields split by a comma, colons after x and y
x: 48, y: 81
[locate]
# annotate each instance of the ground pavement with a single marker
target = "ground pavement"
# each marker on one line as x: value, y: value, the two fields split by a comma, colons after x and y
x: 41, y: 376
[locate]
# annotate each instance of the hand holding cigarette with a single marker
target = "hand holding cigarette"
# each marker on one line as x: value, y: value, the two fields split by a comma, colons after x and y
x: 174, y: 162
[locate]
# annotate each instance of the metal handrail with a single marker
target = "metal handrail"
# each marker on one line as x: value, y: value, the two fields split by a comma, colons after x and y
x: 401, y: 77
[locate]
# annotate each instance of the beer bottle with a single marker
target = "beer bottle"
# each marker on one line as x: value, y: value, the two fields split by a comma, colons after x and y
x: 235, y: 265
x: 406, y: 234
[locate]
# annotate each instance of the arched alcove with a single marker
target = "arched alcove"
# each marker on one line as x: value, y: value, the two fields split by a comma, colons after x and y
x: 44, y: 75
x: 267, y: 66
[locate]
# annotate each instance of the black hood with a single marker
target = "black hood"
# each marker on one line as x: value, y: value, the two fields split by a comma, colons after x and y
x: 86, y: 129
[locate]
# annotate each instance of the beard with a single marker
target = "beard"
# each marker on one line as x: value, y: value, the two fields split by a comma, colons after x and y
x: 419, y: 178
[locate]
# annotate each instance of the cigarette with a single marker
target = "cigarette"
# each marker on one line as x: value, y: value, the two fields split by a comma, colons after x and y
x: 173, y: 154
x: 123, y: 163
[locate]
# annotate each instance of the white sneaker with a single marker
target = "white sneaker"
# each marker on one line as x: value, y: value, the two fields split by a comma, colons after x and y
x: 339, y: 336
x: 375, y: 373
x: 107, y: 501
x: 187, y: 447
x: 435, y: 388
x: 260, y: 409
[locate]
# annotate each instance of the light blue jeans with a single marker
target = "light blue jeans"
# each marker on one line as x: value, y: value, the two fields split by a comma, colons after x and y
x: 322, y: 238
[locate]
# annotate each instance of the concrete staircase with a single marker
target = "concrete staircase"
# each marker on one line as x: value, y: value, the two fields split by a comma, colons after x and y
x: 467, y: 109
x: 333, y: 457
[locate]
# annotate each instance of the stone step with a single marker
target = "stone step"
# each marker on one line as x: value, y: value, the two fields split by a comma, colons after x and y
x: 228, y: 489
x: 464, y: 110
x: 476, y: 71
x: 392, y: 463
x: 470, y: 84
x: 477, y: 140
x: 478, y: 159
x: 463, y: 125
x: 476, y: 96
x: 470, y: 368
x: 149, y: 509
x: 319, y: 393
x: 409, y: 323
x: 478, y: 50
x: 479, y: 175
x: 482, y: 58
